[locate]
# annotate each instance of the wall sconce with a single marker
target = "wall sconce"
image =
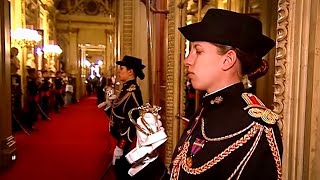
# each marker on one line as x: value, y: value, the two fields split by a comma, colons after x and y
x: 51, y: 51
x: 26, y: 37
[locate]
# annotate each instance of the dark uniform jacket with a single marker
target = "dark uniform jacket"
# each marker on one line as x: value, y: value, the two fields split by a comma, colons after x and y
x: 58, y: 83
x: 224, y: 117
x: 45, y: 86
x: 32, y: 88
x: 102, y: 82
x: 121, y: 126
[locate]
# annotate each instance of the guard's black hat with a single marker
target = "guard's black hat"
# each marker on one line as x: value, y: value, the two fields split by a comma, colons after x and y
x: 133, y: 63
x: 230, y: 28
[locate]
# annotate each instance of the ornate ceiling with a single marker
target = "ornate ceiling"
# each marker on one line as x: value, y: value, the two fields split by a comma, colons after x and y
x: 87, y: 7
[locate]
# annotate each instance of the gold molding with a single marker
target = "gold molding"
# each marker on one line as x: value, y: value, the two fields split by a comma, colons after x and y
x: 281, y: 58
x: 127, y: 27
x: 280, y: 61
x: 69, y: 30
x: 170, y: 83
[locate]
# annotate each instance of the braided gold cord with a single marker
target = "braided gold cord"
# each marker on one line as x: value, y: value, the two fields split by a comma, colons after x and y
x: 251, y: 133
x: 117, y: 103
x: 180, y: 159
x: 176, y: 162
x: 274, y: 149
x: 224, y: 137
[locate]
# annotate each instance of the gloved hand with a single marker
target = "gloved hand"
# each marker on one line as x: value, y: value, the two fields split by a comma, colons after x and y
x: 112, y: 97
x: 155, y: 124
x: 147, y: 143
x: 117, y: 153
x: 144, y: 153
x: 103, y: 104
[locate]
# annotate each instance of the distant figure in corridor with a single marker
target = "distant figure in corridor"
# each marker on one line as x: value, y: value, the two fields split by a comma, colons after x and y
x: 45, y: 94
x: 100, y: 93
x: 32, y: 98
x: 58, y: 84
x: 120, y: 126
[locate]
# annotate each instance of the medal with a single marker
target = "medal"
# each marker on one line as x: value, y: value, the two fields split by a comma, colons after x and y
x: 189, y: 161
x: 197, y: 145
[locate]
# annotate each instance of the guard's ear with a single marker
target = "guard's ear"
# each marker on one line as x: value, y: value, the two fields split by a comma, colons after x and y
x: 131, y: 73
x: 230, y: 59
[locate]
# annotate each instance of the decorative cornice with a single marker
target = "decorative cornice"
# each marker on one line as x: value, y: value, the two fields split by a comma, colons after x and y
x: 69, y: 30
x: 281, y: 58
x: 85, y: 19
x: 92, y: 7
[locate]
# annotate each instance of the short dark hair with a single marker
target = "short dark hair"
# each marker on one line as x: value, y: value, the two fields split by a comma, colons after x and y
x: 251, y: 65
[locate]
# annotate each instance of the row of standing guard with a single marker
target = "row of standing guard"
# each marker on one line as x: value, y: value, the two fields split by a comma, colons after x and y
x: 42, y: 96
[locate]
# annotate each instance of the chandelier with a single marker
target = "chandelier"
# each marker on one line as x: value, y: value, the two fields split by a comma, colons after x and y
x: 26, y: 37
x: 52, y: 50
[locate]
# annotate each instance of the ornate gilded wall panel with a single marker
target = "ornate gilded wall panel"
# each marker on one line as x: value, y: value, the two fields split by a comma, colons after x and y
x: 170, y: 82
x: 127, y: 27
x: 281, y: 60
x: 281, y: 56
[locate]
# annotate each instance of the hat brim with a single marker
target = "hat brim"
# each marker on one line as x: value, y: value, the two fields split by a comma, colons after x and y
x: 196, y: 32
x: 121, y: 63
x: 139, y: 72
x: 124, y: 63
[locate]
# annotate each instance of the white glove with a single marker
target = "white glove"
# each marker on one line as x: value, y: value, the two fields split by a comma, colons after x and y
x: 117, y: 153
x: 155, y: 125
x: 103, y: 104
x: 146, y: 143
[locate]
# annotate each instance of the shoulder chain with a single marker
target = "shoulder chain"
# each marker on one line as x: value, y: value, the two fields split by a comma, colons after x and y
x: 181, y: 159
x: 224, y: 137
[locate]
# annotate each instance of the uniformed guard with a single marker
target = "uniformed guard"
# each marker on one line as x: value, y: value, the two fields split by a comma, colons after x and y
x: 32, y: 99
x: 235, y: 136
x: 58, y: 84
x: 120, y: 126
x: 45, y: 95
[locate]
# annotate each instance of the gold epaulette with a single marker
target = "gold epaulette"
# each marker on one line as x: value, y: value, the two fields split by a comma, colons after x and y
x: 257, y: 109
x: 132, y: 88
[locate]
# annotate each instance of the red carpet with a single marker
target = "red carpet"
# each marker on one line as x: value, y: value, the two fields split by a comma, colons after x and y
x: 74, y: 145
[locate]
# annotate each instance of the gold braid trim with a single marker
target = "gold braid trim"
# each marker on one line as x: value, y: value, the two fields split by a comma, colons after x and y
x: 182, y: 156
x: 222, y: 155
x: 115, y: 104
x: 274, y: 149
x: 176, y: 165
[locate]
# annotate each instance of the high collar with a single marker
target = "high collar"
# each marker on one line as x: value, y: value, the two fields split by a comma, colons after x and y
x: 228, y: 95
x: 129, y: 82
x: 225, y: 116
